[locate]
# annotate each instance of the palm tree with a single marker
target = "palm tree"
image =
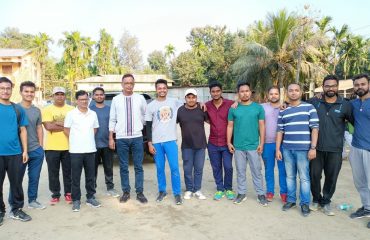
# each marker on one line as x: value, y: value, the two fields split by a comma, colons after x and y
x: 339, y: 38
x: 169, y: 51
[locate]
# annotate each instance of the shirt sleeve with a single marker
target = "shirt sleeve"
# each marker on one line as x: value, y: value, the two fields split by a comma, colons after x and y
x: 148, y: 113
x: 314, y: 118
x: 230, y: 115
x: 39, y: 118
x: 143, y: 108
x: 280, y: 123
x: 23, y: 117
x: 96, y: 121
x: 112, y: 116
x: 68, y: 120
x: 261, y: 115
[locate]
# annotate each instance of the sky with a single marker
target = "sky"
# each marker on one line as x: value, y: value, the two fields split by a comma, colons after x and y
x: 157, y: 23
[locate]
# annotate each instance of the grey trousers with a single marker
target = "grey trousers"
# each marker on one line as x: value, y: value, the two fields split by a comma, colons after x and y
x: 360, y: 163
x: 241, y: 159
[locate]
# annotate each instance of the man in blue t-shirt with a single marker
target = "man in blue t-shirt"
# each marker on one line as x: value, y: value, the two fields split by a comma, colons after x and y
x: 103, y: 153
x: 13, y: 149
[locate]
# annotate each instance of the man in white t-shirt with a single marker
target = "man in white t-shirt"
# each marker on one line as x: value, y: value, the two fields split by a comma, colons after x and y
x: 80, y: 126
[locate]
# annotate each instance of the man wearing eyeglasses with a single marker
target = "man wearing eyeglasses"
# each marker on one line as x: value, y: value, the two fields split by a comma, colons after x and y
x: 333, y: 112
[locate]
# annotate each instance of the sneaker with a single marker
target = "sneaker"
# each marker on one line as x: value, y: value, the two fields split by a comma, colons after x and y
x: 20, y: 215
x: 269, y: 196
x: 218, y: 195
x: 283, y: 197
x: 2, y: 215
x: 240, y: 198
x: 76, y: 205
x: 288, y: 206
x: 68, y: 198
x: 54, y: 201
x: 188, y: 195
x: 327, y: 210
x: 161, y: 196
x: 305, y: 210
x: 92, y: 202
x: 200, y: 195
x: 368, y: 225
x: 314, y: 206
x: 178, y: 199
x: 141, y: 198
x: 112, y: 192
x: 230, y: 194
x: 36, y: 205
x: 125, y: 197
x: 360, y: 213
x: 262, y: 200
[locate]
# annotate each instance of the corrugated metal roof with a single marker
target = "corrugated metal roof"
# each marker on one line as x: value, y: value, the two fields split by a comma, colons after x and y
x: 13, y: 52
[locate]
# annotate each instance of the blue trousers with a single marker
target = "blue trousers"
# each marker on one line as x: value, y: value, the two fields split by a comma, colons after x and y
x: 169, y: 150
x: 221, y: 159
x: 193, y: 163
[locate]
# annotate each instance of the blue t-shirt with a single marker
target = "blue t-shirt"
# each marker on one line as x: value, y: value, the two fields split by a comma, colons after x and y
x: 102, y: 134
x: 361, y: 114
x: 9, y: 135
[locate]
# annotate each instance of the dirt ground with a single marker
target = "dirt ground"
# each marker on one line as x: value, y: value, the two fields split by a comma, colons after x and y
x: 195, y: 219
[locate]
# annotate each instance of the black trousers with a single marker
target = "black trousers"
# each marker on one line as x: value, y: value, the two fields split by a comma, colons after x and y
x: 54, y: 159
x: 105, y: 155
x: 12, y: 165
x: 331, y: 163
x: 87, y: 162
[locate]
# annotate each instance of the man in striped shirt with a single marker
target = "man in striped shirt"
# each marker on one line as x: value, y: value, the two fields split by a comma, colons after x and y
x: 298, y: 128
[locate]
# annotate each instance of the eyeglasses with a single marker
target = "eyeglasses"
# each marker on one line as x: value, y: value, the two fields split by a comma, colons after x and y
x: 330, y: 86
x: 3, y: 89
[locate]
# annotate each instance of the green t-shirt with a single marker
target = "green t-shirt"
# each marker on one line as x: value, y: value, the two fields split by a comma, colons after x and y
x: 246, y: 127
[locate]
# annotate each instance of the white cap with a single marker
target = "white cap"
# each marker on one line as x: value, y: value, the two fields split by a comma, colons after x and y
x: 191, y: 91
x: 59, y: 90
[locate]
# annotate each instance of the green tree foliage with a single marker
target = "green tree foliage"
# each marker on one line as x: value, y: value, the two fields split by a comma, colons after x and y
x: 104, y: 58
x: 12, y: 38
x: 187, y: 70
x: 157, y: 62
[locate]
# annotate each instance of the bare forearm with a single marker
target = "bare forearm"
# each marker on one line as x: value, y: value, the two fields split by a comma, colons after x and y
x: 314, y: 136
x: 40, y: 135
x: 262, y: 131
x: 279, y: 138
x: 229, y: 134
x: 23, y: 136
x: 66, y: 131
x: 53, y: 127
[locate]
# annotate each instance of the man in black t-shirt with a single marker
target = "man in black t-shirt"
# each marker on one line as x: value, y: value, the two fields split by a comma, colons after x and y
x: 191, y: 118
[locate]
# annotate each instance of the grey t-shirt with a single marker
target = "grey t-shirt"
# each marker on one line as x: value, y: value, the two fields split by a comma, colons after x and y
x: 163, y: 115
x: 34, y: 119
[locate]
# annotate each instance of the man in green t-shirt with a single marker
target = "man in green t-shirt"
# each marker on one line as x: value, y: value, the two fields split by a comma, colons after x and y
x: 247, y: 126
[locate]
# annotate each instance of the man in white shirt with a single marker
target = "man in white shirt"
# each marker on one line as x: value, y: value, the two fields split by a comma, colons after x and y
x: 80, y: 126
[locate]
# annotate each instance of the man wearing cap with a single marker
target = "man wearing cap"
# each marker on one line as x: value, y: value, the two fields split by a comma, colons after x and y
x: 191, y: 119
x: 56, y: 145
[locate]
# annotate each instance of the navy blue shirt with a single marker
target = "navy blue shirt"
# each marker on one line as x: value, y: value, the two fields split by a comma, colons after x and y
x: 102, y: 134
x: 9, y: 135
x: 361, y: 114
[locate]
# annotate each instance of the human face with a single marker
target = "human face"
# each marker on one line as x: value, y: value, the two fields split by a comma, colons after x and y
x: 216, y: 93
x: 191, y: 100
x: 294, y: 92
x: 244, y: 93
x: 59, y: 98
x: 361, y: 87
x: 330, y: 88
x: 5, y: 91
x: 28, y: 93
x: 161, y: 90
x: 82, y: 101
x: 128, y: 84
x: 99, y: 96
x: 273, y: 95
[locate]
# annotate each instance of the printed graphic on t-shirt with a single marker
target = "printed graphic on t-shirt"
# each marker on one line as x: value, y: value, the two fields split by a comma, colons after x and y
x: 165, y: 114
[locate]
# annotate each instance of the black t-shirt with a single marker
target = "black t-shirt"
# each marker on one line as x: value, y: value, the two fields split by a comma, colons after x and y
x: 192, y: 127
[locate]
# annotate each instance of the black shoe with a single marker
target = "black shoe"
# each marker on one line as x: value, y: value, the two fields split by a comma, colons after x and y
x: 288, y: 206
x: 262, y: 200
x: 305, y: 210
x: 161, y: 196
x: 18, y: 214
x: 360, y: 213
x: 178, y: 199
x: 125, y: 197
x: 2, y: 215
x: 141, y: 198
x: 240, y: 198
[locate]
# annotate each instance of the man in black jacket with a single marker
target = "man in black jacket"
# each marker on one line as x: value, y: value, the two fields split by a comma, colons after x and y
x: 333, y: 112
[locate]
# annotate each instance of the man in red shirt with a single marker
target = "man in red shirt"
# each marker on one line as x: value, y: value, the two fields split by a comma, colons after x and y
x: 219, y: 155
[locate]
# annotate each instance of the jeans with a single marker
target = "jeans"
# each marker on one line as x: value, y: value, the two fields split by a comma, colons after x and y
x: 268, y: 157
x: 123, y: 150
x: 87, y: 162
x: 221, y: 157
x: 34, y: 165
x: 193, y: 163
x: 106, y: 156
x: 54, y: 159
x: 169, y: 150
x: 297, y: 161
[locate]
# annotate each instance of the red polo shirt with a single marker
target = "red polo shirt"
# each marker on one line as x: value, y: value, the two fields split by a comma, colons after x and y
x: 218, y: 121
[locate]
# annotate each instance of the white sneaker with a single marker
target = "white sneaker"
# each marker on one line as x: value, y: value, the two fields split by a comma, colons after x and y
x: 112, y: 192
x: 36, y: 205
x: 200, y: 195
x: 188, y: 195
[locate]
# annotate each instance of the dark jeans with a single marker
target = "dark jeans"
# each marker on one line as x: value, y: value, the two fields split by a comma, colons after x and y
x: 123, y: 149
x: 106, y: 156
x: 221, y: 157
x: 331, y: 163
x: 193, y: 163
x: 34, y: 165
x: 54, y: 159
x: 12, y: 165
x: 87, y: 162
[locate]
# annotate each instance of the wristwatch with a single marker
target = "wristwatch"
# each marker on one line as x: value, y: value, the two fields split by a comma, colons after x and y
x: 313, y: 147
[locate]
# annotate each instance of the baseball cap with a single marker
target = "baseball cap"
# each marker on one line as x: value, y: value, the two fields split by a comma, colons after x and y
x: 59, y: 90
x: 191, y: 91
